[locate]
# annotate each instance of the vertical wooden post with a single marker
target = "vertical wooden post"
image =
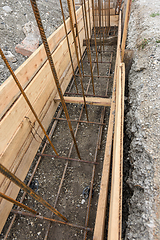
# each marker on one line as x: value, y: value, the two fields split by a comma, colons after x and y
x: 125, y: 29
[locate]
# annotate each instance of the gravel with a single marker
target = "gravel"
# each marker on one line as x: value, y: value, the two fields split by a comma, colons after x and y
x: 14, y: 15
x: 143, y: 121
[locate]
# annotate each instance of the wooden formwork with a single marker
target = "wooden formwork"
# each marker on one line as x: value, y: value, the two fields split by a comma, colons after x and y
x: 18, y: 145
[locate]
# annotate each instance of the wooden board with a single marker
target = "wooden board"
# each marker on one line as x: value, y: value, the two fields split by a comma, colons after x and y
x: 106, y: 102
x: 114, y: 225
x: 116, y: 167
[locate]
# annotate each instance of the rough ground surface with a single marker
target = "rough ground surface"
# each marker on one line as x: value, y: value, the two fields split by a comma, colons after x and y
x: 143, y: 121
x: 13, y: 16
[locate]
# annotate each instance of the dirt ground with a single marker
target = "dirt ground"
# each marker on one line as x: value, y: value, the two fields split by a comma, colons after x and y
x: 143, y: 122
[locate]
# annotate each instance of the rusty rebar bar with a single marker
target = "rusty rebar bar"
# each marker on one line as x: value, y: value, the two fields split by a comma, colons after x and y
x: 79, y: 121
x: 65, y: 158
x: 89, y: 49
x: 87, y: 95
x: 75, y: 43
x: 96, y: 76
x: 95, y: 41
x: 69, y: 49
x: 26, y: 98
x: 50, y: 220
x: 17, y: 203
x: 27, y: 189
x: 55, y: 76
x: 77, y: 35
x: 99, y: 9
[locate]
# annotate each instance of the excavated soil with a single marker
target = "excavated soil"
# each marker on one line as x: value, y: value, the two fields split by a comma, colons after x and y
x: 142, y: 123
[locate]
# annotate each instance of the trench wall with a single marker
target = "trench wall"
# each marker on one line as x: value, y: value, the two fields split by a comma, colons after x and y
x: 143, y: 121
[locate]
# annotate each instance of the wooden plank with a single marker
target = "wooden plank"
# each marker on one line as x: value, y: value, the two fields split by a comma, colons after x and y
x: 114, y: 212
x: 102, y: 201
x: 89, y: 100
x: 113, y: 21
x: 8, y: 90
x: 109, y: 41
x: 122, y: 135
x: 114, y: 226
x: 125, y: 29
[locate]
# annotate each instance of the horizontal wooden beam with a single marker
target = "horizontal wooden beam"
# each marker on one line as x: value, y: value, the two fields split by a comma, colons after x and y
x: 108, y: 41
x: 89, y: 100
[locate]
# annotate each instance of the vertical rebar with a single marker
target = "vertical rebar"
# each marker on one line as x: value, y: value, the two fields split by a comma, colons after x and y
x: 89, y: 18
x: 69, y: 49
x: 48, y: 53
x: 77, y: 35
x: 95, y: 41
x: 89, y: 49
x: 99, y: 9
x: 75, y: 43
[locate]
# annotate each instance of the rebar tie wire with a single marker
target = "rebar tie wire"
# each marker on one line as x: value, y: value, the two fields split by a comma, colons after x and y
x: 48, y: 53
x: 26, y: 98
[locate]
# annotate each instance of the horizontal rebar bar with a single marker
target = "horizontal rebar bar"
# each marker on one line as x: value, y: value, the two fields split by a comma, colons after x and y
x: 87, y: 95
x: 65, y: 158
x: 79, y: 121
x: 51, y: 220
x: 96, y: 76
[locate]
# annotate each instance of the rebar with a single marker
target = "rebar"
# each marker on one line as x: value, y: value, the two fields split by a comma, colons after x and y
x: 71, y: 19
x: 51, y: 220
x: 55, y: 76
x: 26, y: 98
x: 89, y: 49
x: 69, y: 49
x: 65, y: 158
x: 27, y: 189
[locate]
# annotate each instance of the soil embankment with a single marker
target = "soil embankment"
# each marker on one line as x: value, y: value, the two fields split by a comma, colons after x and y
x: 143, y: 121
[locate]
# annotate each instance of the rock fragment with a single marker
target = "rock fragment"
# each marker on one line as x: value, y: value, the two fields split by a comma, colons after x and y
x: 31, y: 41
x: 7, y: 9
x: 10, y: 57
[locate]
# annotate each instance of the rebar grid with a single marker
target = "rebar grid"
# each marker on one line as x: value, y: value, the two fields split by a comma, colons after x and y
x: 99, y: 137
